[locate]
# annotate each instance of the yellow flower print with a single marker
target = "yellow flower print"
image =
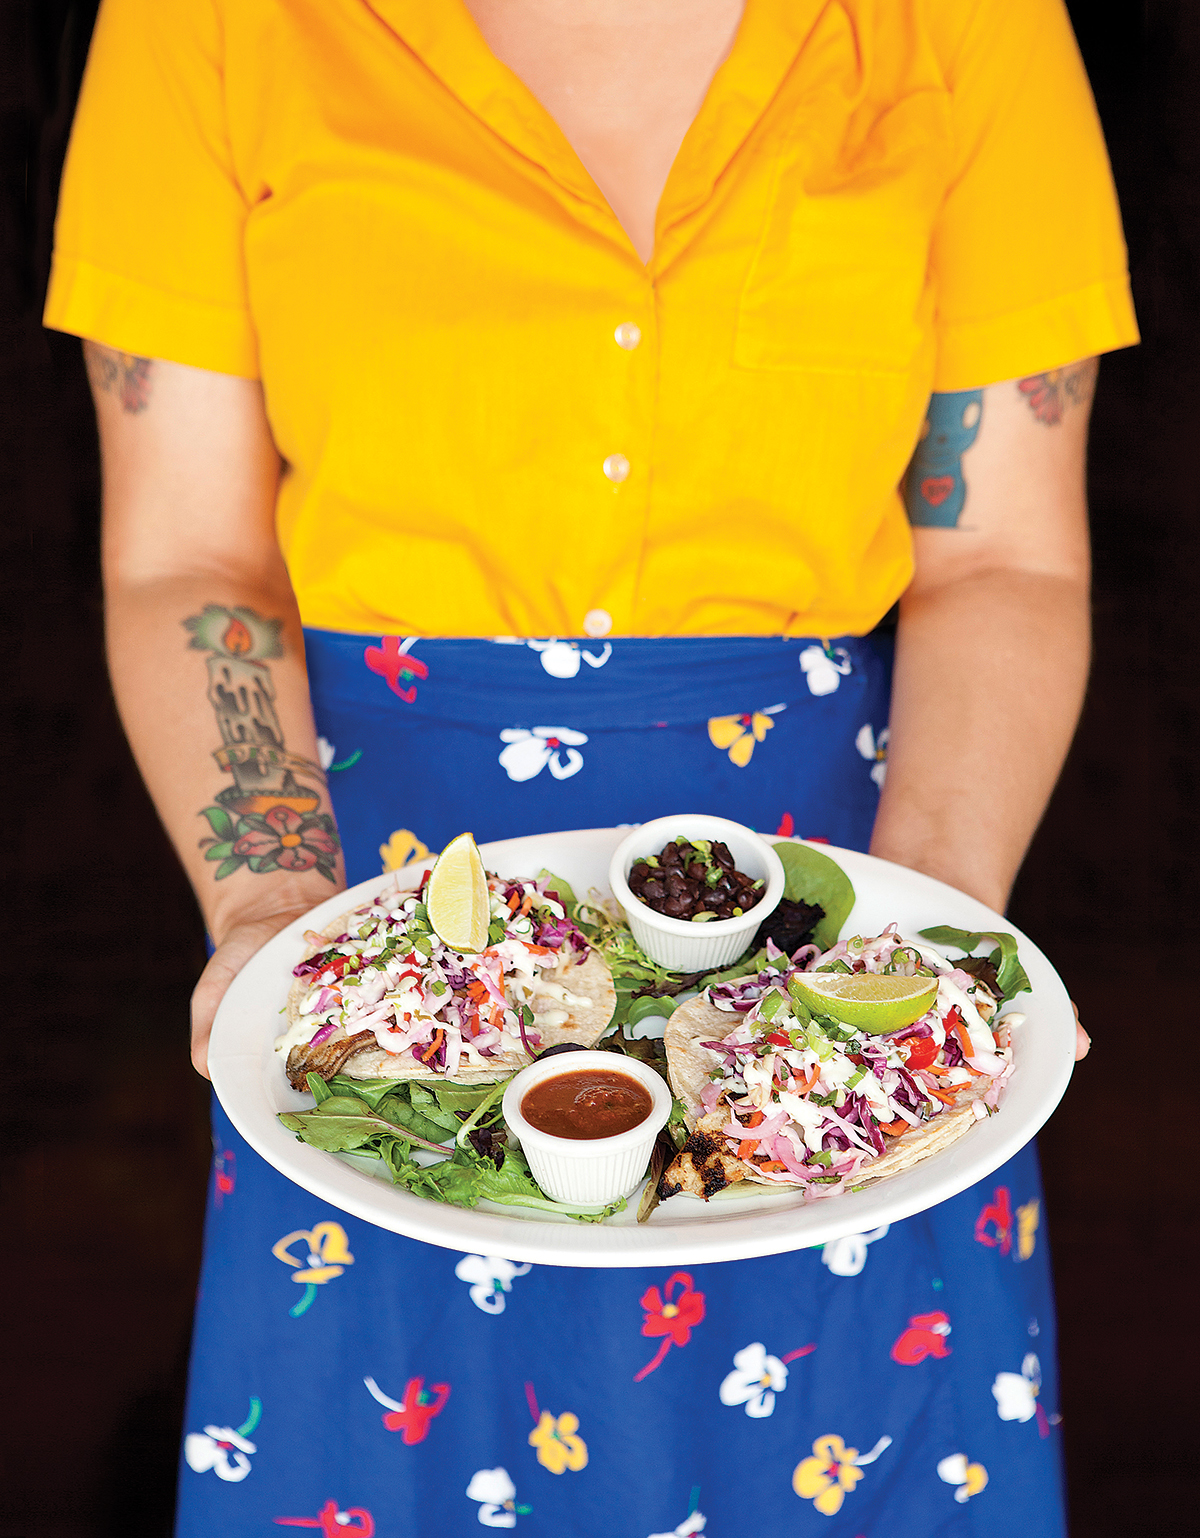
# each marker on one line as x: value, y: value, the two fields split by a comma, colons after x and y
x: 833, y: 1470
x: 740, y: 733
x: 328, y: 1255
x: 827, y: 1475
x: 1027, y: 1227
x: 401, y: 849
x: 558, y: 1446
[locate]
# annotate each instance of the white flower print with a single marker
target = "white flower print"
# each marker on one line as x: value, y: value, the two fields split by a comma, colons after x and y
x: 755, y: 1380
x: 848, y: 1255
x: 490, y: 1277
x: 220, y: 1449
x: 326, y: 752
x: 825, y: 670
x: 1016, y: 1393
x: 529, y: 752
x: 497, y: 1496
x: 875, y: 748
x: 969, y: 1477
x: 562, y: 659
x: 687, y: 1528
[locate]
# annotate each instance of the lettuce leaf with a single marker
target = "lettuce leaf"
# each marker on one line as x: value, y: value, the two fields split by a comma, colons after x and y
x: 385, y: 1119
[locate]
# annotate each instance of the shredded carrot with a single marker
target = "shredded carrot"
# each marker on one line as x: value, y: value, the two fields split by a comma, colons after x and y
x: 955, y: 1020
x: 527, y: 904
x: 772, y: 1164
x: 513, y: 900
x: 814, y: 1073
x: 894, y: 1128
x: 434, y: 1046
x: 477, y: 990
x: 939, y: 1073
x: 946, y: 1095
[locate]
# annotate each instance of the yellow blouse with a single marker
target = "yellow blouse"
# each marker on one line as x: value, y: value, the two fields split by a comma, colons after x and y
x: 496, y: 419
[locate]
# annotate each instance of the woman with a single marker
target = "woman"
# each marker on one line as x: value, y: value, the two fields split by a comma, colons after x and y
x: 609, y: 330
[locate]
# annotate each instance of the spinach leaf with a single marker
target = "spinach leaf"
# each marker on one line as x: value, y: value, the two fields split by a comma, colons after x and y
x: 1009, y: 971
x: 813, y: 877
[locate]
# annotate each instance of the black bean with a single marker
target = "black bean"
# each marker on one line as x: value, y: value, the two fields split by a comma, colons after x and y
x: 652, y: 890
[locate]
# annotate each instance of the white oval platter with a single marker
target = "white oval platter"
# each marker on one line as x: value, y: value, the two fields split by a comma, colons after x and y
x: 250, y: 1082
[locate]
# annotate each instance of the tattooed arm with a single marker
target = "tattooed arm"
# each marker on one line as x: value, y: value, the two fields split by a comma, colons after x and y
x: 206, y: 652
x: 992, y: 649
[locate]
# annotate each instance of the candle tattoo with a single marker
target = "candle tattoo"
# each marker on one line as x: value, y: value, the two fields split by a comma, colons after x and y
x: 268, y: 818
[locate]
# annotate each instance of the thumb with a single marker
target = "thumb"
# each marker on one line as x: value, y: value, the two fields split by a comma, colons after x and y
x: 240, y: 944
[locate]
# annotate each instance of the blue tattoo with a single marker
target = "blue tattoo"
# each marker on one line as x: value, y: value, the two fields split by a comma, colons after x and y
x: 934, y: 490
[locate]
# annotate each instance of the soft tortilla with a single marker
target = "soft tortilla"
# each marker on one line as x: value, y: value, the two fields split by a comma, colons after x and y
x: 361, y: 1057
x: 706, y: 1165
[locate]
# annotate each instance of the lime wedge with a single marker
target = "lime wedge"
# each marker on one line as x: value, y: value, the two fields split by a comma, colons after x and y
x: 457, y: 896
x: 870, y: 1001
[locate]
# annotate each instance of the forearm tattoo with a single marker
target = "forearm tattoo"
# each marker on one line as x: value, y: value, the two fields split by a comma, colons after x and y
x: 934, y: 490
x: 1052, y: 394
x: 120, y: 374
x: 269, y: 818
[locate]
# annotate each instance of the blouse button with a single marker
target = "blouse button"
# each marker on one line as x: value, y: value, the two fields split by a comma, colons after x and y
x: 597, y: 623
x: 627, y: 335
x: 616, y: 467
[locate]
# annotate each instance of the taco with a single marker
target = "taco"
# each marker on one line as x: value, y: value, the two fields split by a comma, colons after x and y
x: 776, y: 1095
x: 380, y: 996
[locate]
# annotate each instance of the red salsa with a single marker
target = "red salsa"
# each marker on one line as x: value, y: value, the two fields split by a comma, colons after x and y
x: 591, y: 1102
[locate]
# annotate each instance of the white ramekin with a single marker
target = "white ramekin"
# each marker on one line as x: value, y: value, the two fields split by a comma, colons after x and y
x: 591, y: 1171
x: 679, y: 944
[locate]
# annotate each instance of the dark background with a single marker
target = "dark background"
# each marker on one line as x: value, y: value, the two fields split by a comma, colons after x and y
x: 107, y: 1149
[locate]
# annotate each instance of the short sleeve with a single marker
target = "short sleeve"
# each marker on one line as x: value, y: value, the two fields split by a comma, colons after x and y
x: 148, y: 251
x: 1028, y: 255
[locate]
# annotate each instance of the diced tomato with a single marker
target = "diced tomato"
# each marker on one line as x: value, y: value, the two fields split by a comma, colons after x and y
x: 922, y: 1052
x: 779, y: 1039
x: 771, y: 1164
x: 745, y: 1149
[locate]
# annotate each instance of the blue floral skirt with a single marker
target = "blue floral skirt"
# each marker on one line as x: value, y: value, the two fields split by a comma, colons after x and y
x: 899, y: 1382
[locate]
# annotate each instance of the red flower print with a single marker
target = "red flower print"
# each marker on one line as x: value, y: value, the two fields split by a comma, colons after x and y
x: 334, y: 1523
x: 787, y: 826
x: 412, y: 1415
x: 224, y: 1173
x: 673, y: 1317
x: 391, y: 660
x: 925, y: 1336
x: 996, y: 1217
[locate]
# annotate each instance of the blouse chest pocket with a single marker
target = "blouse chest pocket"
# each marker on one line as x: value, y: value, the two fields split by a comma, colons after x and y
x: 840, y: 281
